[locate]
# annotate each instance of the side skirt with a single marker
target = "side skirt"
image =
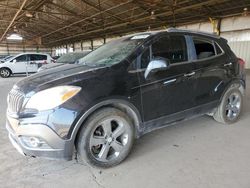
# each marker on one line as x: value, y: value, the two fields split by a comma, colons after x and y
x: 172, y: 119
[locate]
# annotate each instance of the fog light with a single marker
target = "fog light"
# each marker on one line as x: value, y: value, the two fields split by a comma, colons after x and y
x: 34, y: 142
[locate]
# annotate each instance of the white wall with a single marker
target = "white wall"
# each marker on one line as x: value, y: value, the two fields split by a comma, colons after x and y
x: 13, y: 49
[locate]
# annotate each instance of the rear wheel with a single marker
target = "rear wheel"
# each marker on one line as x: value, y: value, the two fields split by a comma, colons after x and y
x: 230, y: 108
x: 106, y: 138
x: 5, y: 73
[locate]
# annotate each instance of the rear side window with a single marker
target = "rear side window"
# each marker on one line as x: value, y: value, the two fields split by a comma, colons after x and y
x: 21, y: 58
x: 172, y: 48
x: 204, y: 48
x: 36, y: 57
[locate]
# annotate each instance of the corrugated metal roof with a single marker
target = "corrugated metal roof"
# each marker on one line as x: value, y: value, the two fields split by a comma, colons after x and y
x: 64, y: 21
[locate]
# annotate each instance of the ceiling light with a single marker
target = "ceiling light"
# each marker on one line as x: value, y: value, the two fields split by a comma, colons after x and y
x: 14, y: 36
x: 152, y: 17
x: 15, y: 29
x: 245, y: 12
x: 28, y: 14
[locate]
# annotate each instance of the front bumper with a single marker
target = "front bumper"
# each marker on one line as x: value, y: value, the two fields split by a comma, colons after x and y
x: 56, y: 147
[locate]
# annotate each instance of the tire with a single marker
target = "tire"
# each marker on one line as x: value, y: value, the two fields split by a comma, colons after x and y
x: 106, y: 138
x: 230, y: 108
x: 5, y: 73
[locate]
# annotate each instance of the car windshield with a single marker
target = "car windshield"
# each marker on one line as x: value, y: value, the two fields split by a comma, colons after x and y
x: 112, y: 52
x: 71, y: 57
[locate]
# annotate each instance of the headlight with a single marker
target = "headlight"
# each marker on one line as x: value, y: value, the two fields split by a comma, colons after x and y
x: 51, y: 98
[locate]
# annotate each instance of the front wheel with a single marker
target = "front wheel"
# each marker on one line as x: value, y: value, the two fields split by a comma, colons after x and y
x: 106, y: 138
x: 5, y: 73
x: 229, y: 110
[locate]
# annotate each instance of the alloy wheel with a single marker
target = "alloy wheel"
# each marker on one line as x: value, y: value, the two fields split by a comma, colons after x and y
x: 109, y: 139
x: 233, y: 106
x: 4, y: 73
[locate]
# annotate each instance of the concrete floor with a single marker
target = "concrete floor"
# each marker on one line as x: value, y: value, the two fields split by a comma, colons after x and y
x: 199, y: 153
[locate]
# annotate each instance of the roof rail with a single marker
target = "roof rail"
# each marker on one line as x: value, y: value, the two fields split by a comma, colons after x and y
x: 194, y: 32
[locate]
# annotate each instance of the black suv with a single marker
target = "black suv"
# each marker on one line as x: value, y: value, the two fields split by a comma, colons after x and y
x: 122, y: 90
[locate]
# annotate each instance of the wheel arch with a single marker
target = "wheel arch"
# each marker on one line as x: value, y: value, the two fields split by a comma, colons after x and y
x: 235, y: 83
x: 120, y: 104
x: 7, y: 68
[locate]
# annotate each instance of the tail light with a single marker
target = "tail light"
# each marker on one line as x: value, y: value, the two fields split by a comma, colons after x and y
x: 45, y: 62
x: 241, y: 63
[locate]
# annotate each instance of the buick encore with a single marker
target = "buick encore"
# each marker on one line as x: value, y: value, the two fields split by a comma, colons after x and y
x: 122, y: 90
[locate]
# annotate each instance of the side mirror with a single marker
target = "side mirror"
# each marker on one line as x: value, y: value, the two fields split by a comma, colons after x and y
x: 14, y: 61
x: 156, y: 65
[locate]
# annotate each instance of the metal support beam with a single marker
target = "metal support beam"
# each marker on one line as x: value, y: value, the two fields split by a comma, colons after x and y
x: 12, y: 21
x: 92, y: 44
x: 113, y: 26
x: 82, y: 20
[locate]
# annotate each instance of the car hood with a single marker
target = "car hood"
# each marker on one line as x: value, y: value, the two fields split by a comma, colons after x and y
x: 61, y: 75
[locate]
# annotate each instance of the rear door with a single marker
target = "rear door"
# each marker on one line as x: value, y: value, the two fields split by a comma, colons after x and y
x: 169, y: 91
x: 32, y: 64
x: 211, y: 67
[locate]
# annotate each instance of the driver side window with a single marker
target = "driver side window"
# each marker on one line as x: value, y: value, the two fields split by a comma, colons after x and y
x: 21, y: 58
x: 172, y: 48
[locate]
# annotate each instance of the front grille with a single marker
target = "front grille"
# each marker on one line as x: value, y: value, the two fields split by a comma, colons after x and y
x: 15, y: 101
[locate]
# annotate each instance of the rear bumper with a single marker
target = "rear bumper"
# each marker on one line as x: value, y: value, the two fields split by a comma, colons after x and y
x: 56, y: 147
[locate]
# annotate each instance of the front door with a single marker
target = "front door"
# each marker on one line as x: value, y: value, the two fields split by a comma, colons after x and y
x: 19, y: 64
x: 168, y: 91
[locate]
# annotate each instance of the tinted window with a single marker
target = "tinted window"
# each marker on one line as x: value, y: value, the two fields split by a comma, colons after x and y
x: 36, y: 57
x: 172, y: 48
x: 204, y: 48
x: 21, y: 58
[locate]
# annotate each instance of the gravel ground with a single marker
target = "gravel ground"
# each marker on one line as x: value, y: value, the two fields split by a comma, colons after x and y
x: 199, y: 153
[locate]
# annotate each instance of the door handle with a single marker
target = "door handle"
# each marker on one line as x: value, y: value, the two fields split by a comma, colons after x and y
x: 169, y: 81
x: 189, y: 74
x: 227, y: 64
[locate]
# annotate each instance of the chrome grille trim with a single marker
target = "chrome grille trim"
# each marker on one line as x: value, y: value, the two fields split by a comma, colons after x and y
x: 15, y: 101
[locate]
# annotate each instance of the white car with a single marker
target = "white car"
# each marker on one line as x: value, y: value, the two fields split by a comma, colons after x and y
x: 24, y: 63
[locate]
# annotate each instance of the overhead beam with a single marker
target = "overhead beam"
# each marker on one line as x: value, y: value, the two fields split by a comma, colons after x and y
x: 12, y: 21
x: 34, y: 11
x: 98, y: 8
x: 165, y: 13
x: 82, y: 20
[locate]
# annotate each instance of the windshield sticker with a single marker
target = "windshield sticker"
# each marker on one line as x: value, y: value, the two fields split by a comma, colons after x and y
x: 139, y: 37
